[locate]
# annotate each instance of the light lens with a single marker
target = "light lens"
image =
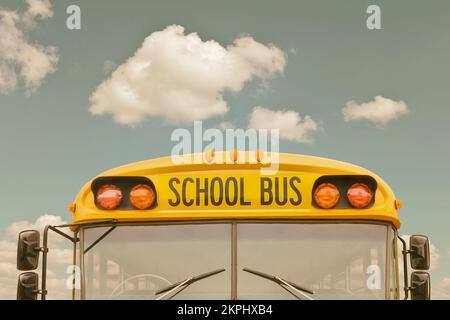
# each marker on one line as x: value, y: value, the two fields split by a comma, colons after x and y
x: 359, y: 195
x: 142, y: 196
x: 326, y: 195
x: 109, y: 197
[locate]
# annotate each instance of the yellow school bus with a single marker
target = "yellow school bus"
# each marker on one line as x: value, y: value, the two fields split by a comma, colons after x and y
x: 313, y: 229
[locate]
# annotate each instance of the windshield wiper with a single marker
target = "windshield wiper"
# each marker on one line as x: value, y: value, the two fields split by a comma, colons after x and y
x: 283, y: 283
x: 185, y: 283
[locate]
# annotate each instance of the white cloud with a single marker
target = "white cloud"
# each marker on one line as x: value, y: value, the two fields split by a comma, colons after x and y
x: 14, y: 228
x: 181, y: 78
x: 442, y: 290
x: 59, y: 257
x: 108, y: 67
x: 37, y: 8
x: 226, y: 125
x: 19, y: 57
x: 291, y: 125
x: 380, y: 111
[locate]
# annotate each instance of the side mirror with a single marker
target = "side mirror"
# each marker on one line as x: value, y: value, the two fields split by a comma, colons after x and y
x: 27, y: 286
x: 28, y: 250
x: 420, y: 285
x: 419, y: 247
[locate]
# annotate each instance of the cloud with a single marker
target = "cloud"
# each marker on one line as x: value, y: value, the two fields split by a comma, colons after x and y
x: 14, y: 228
x: 442, y: 290
x: 59, y: 257
x: 291, y: 125
x: 108, y: 67
x: 380, y: 111
x: 19, y: 57
x: 181, y: 78
x: 226, y: 125
x: 37, y: 8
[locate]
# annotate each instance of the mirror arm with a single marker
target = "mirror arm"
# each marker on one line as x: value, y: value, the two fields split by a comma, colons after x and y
x: 41, y: 249
x: 40, y: 291
x: 44, y: 250
x: 405, y: 252
x: 44, y: 262
x: 72, y: 239
x: 409, y: 251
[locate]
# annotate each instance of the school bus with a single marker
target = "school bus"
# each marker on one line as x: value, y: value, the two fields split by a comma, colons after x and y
x: 314, y: 229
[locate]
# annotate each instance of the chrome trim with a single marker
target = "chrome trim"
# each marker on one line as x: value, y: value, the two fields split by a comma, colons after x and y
x: 82, y: 271
x: 232, y: 222
x: 234, y: 261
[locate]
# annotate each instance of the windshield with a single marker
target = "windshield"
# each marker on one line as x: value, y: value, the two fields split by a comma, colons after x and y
x: 337, y: 261
x: 134, y: 262
x: 334, y: 260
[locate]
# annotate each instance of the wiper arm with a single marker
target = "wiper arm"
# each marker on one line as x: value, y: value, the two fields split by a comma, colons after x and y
x: 185, y: 283
x: 283, y: 283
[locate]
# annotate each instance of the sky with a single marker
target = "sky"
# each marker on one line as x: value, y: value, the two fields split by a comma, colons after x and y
x: 375, y: 98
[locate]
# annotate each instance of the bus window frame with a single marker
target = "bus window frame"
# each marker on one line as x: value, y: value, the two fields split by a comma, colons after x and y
x: 396, y: 263
x: 234, y: 223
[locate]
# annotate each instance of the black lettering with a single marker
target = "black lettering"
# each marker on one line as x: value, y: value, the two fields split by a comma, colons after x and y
x: 295, y: 189
x: 227, y: 191
x: 213, y: 199
x: 277, y: 192
x: 204, y: 191
x: 264, y: 190
x: 242, y: 201
x: 175, y: 192
x: 183, y: 192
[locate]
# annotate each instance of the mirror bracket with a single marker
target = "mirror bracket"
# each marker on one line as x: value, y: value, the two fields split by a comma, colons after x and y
x: 40, y: 291
x: 405, y: 252
x: 41, y: 249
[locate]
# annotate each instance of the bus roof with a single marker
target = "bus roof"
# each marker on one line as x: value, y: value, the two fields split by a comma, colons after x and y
x: 251, y: 181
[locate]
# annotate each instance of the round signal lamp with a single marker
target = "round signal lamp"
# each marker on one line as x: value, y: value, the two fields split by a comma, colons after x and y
x: 326, y: 195
x: 109, y: 197
x: 142, y: 196
x: 259, y: 154
x: 209, y: 155
x: 359, y: 195
x: 234, y: 154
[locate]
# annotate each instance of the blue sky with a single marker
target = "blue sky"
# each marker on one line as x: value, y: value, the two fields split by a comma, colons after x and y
x: 50, y: 144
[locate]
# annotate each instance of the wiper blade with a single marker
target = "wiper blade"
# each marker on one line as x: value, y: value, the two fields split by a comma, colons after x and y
x: 185, y: 283
x: 283, y: 283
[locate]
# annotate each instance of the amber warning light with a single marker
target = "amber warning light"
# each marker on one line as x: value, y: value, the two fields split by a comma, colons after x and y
x: 109, y: 197
x: 359, y: 195
x: 340, y: 192
x: 142, y: 196
x: 327, y: 195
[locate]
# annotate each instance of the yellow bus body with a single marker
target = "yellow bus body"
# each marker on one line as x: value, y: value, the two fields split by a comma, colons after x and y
x: 307, y: 168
